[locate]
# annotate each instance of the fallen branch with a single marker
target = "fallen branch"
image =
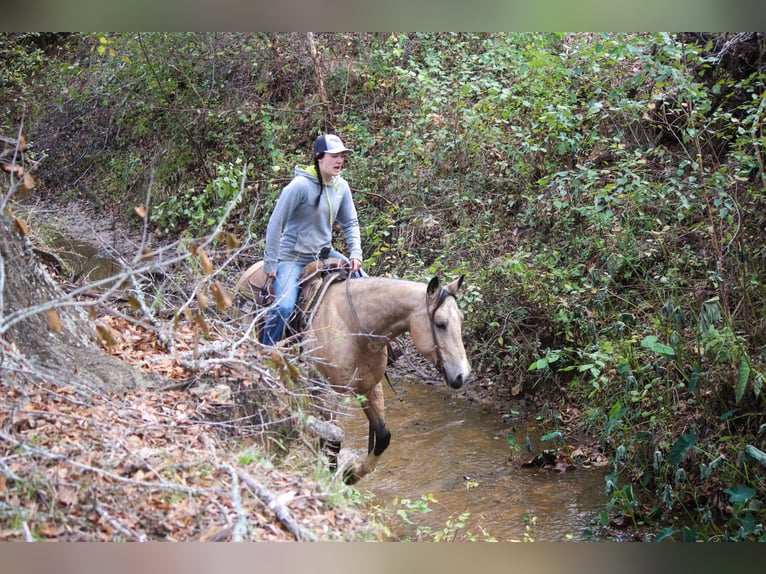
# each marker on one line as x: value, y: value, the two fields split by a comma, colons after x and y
x: 116, y: 523
x: 240, y: 526
x: 38, y: 452
x: 280, y: 511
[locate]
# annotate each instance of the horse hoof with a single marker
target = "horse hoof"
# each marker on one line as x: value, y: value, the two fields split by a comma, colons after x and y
x: 351, y: 477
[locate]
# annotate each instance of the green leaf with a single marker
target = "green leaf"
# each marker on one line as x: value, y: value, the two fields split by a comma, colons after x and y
x: 403, y: 515
x: 694, y: 379
x: 740, y: 493
x: 743, y: 373
x: 711, y: 313
x: 550, y: 435
x: 650, y: 342
x: 666, y: 532
x: 681, y: 447
x: 538, y: 364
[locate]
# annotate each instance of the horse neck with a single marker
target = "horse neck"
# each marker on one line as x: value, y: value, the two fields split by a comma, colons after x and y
x: 387, y: 306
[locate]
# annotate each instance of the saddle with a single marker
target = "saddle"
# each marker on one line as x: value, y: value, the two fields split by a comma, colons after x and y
x: 255, y: 291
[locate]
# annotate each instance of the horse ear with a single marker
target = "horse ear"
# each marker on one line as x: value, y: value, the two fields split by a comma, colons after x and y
x: 433, y: 286
x: 456, y: 285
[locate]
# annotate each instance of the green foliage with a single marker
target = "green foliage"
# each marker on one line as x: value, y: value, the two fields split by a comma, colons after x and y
x: 455, y: 528
x: 22, y: 62
x: 681, y: 447
x: 200, y: 211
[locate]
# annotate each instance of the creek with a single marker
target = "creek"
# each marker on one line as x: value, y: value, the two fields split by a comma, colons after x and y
x: 84, y: 261
x: 452, y: 451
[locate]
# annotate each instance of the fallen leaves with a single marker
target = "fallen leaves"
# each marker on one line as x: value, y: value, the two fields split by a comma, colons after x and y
x: 146, y: 465
x: 135, y: 344
x: 142, y: 463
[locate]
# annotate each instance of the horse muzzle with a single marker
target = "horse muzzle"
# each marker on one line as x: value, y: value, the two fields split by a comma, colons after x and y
x: 456, y: 383
x: 455, y: 379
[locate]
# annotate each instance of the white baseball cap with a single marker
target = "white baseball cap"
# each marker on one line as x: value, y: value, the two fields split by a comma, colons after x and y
x: 329, y: 143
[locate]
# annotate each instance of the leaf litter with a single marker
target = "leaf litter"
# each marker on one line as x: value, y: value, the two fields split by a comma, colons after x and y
x: 150, y: 465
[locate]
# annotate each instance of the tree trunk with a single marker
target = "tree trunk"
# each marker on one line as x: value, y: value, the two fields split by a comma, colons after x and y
x: 317, y: 66
x: 42, y: 335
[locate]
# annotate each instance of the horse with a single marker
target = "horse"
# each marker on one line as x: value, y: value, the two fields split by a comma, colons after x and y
x: 347, y: 335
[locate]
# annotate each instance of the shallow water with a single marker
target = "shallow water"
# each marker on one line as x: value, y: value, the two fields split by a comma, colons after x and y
x: 85, y: 262
x: 448, y: 447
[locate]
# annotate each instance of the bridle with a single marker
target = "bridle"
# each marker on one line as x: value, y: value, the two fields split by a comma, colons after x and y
x: 443, y: 296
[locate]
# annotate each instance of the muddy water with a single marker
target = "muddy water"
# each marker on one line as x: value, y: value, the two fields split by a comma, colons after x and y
x: 84, y: 261
x: 445, y: 446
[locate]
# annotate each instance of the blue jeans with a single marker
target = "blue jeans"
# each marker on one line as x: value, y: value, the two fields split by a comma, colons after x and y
x: 286, y: 292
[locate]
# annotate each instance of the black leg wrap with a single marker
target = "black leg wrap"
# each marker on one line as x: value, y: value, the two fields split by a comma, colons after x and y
x: 382, y: 439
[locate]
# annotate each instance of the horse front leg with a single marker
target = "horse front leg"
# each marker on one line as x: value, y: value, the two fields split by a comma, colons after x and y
x: 378, y: 439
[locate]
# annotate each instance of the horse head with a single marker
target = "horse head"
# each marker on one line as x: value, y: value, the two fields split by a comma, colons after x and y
x: 439, y: 336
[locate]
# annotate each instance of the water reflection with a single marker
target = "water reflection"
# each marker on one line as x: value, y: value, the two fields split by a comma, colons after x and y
x: 448, y: 447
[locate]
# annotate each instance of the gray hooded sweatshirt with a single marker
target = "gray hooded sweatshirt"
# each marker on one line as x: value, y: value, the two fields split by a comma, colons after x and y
x: 299, y: 228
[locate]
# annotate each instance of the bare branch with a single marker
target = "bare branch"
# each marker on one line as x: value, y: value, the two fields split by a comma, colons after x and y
x: 273, y: 504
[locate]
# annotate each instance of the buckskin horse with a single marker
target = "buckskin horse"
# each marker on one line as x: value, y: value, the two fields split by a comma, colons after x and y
x: 348, y: 331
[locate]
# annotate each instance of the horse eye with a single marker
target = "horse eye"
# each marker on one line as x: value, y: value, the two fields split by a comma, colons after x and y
x: 441, y: 325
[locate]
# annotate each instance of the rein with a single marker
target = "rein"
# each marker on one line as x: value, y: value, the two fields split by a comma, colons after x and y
x: 370, y: 336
